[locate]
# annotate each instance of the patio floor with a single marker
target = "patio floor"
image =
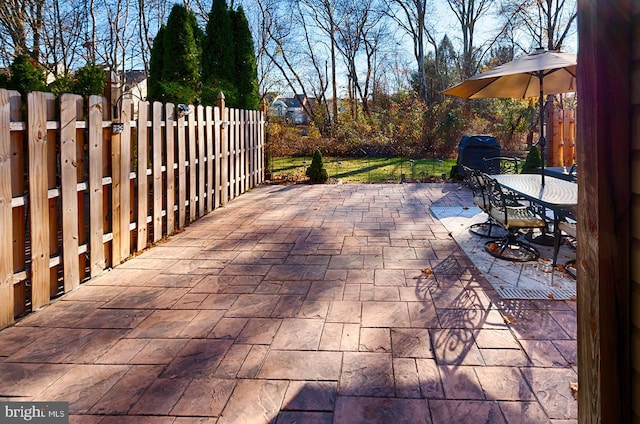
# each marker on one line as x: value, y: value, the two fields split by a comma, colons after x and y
x: 300, y: 304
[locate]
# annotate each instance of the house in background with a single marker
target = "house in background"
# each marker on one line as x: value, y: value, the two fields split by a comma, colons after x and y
x: 293, y: 110
x: 135, y: 85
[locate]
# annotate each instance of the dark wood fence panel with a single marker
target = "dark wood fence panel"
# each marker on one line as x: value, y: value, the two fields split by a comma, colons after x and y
x: 99, y: 190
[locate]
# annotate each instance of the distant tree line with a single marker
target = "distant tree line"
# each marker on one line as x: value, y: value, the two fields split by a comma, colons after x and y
x: 186, y: 64
x: 374, y: 69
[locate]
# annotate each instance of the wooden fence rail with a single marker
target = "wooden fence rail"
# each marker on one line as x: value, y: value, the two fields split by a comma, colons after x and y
x: 78, y: 196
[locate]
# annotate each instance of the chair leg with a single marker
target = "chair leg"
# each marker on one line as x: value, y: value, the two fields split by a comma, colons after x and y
x: 485, y: 229
x: 510, y: 249
x: 570, y: 268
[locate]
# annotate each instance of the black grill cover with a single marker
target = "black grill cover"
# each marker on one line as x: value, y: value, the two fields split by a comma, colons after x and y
x: 473, y: 149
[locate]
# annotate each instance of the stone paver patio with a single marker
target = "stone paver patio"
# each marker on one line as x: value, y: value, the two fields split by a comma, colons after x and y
x: 300, y: 304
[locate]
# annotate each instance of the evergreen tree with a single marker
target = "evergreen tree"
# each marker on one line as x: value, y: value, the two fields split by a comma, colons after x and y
x: 316, y: 171
x: 91, y: 79
x: 246, y: 73
x: 177, y: 53
x: 532, y: 162
x: 218, y: 65
x: 156, y: 63
x: 26, y: 75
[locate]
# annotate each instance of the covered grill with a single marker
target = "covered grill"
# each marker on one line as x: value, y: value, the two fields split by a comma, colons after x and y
x: 473, y: 149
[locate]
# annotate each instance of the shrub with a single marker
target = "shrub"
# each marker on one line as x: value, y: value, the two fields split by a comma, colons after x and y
x: 532, y: 162
x: 91, y: 79
x: 26, y: 75
x: 316, y: 171
x: 62, y: 84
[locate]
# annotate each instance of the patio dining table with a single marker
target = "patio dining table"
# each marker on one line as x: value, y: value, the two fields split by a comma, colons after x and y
x: 562, y: 172
x: 557, y: 195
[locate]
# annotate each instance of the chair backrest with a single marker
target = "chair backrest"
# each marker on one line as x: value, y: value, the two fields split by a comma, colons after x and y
x: 495, y: 196
x: 473, y: 178
x: 502, y: 165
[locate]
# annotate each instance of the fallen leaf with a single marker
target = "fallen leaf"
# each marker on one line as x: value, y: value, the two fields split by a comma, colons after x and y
x: 427, y: 271
x: 574, y: 390
x: 550, y: 296
x: 510, y: 319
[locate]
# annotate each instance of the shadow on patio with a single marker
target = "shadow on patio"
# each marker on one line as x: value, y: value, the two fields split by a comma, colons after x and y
x: 313, y: 304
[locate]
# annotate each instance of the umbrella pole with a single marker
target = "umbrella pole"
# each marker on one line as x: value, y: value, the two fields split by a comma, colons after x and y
x: 542, y: 141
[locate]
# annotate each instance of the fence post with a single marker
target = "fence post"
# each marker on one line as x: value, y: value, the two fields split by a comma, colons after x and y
x: 224, y: 160
x: 6, y: 239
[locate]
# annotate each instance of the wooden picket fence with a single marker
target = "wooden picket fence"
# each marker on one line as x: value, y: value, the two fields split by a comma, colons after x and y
x: 77, y: 197
x: 562, y: 148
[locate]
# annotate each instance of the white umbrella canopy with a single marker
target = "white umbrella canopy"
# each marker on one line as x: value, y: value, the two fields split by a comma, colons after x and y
x: 536, y: 74
x: 521, y: 77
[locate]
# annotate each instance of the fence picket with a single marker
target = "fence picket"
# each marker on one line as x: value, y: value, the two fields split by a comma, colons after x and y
x: 224, y: 154
x: 38, y: 198
x: 170, y: 163
x: 243, y: 151
x: 71, y: 107
x: 125, y: 180
x: 191, y: 147
x: 116, y: 176
x: 157, y: 171
x: 252, y: 149
x: 200, y: 142
x: 210, y: 156
x: 141, y: 174
x: 182, y: 172
x: 233, y: 173
x: 216, y: 160
x: 96, y: 199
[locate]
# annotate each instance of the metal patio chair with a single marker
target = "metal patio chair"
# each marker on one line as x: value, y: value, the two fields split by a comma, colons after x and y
x: 513, y: 217
x: 489, y: 228
x: 566, y: 231
x: 502, y: 165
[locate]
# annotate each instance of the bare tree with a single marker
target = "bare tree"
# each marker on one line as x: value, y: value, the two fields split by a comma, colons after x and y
x: 359, y: 36
x: 322, y: 12
x: 411, y: 17
x: 468, y: 13
x: 287, y: 44
x: 62, y: 45
x: 547, y: 23
x: 21, y: 24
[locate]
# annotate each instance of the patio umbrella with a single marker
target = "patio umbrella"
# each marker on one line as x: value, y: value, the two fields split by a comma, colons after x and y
x: 536, y: 74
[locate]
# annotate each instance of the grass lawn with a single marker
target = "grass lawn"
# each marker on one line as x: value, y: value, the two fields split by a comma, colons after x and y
x: 363, y: 170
